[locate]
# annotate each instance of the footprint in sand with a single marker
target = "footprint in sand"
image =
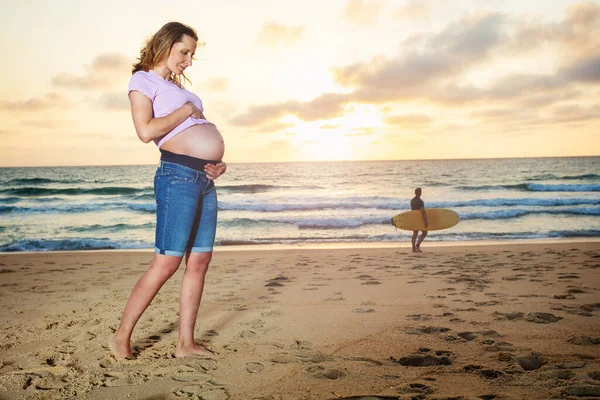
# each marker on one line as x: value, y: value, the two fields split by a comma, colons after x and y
x: 202, y: 392
x: 500, y: 347
x: 339, y: 298
x: 300, y: 357
x: 595, y: 375
x: 368, y: 397
x: 272, y: 313
x: 484, y: 372
x: 371, y: 283
x: 419, y: 317
x: 562, y: 374
x: 583, y: 391
x: 254, y: 368
x: 564, y: 297
x: 531, y: 361
x: 542, y: 318
x: 417, y: 388
x: 584, y: 310
x: 6, y: 271
x: 509, y: 316
x: 425, y: 358
x: 584, y: 340
x: 568, y: 276
x: 319, y: 371
x: 302, y: 344
x: 247, y: 334
x: 364, y: 359
x: 116, y: 379
x: 427, y: 330
x: 278, y: 281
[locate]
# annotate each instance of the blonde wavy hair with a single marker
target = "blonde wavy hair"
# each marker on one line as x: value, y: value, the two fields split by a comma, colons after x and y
x: 157, y: 48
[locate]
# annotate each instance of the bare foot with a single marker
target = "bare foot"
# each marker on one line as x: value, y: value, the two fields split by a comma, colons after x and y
x: 418, y: 249
x: 193, y: 351
x: 415, y: 250
x: 121, y: 350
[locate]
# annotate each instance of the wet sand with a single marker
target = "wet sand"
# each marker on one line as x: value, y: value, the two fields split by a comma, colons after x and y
x: 505, y: 321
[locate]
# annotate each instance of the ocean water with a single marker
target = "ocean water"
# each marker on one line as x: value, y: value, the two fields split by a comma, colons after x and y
x: 112, y: 207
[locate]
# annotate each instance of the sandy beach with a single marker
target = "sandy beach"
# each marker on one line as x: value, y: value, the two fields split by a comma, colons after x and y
x: 505, y: 321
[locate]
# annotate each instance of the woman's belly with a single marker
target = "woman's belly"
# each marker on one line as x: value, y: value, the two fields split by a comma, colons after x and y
x: 200, y: 141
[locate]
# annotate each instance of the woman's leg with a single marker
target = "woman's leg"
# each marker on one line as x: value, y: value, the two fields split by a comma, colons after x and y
x: 161, y: 269
x: 192, y: 286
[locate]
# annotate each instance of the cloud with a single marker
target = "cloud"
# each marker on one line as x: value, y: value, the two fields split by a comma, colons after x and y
x: 414, y: 9
x: 524, y: 117
x: 258, y: 115
x: 45, y: 124
x: 364, y: 13
x: 434, y: 68
x: 271, y: 127
x: 360, y: 132
x: 51, y: 101
x: 325, y: 106
x: 546, y: 99
x: 408, y: 119
x: 587, y: 70
x: 577, y: 35
x: 469, y: 38
x: 88, y: 82
x: 117, y: 101
x: 218, y: 84
x: 114, y: 62
x: 105, y: 72
x: 277, y: 35
x: 580, y: 31
x: 574, y: 113
x: 512, y: 85
x: 426, y: 59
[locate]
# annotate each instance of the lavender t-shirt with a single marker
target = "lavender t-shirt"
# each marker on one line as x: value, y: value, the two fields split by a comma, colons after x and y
x: 166, y: 97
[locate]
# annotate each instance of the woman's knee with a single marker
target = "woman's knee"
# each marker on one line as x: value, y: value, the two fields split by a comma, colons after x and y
x: 165, y: 265
x: 198, y: 262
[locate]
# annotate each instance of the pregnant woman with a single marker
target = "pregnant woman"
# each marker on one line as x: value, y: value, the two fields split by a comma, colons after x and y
x: 186, y: 201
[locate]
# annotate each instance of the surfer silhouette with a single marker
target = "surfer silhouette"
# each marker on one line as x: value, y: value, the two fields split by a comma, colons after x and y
x: 417, y: 204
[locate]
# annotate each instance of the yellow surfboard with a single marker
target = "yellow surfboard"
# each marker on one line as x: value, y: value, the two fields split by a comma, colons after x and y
x: 438, y: 218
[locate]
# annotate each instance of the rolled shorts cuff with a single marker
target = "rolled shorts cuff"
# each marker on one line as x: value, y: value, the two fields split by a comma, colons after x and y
x: 181, y: 253
x: 201, y: 250
x: 169, y: 252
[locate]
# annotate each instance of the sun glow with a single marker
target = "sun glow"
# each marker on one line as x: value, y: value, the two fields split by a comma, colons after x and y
x: 343, y: 138
x: 330, y: 146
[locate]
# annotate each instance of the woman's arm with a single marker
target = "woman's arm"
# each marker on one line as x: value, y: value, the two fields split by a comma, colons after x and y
x: 149, y: 128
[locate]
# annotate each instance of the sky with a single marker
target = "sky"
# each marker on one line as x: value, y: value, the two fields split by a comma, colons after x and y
x: 309, y: 80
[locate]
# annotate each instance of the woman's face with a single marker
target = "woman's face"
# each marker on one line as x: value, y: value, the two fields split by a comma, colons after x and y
x: 180, y: 56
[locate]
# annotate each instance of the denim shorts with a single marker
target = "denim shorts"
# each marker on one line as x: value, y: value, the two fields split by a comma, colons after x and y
x: 186, y: 210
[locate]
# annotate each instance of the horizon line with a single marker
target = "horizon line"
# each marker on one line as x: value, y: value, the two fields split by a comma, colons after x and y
x: 317, y: 161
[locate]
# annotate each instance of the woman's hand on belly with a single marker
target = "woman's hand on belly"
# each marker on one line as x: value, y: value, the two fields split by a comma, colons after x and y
x: 196, y: 112
x: 214, y: 171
